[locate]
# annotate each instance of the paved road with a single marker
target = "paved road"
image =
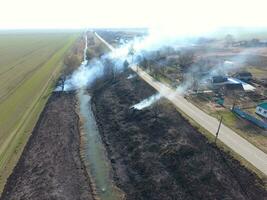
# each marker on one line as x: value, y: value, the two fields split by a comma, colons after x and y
x: 104, y: 41
x: 241, y: 146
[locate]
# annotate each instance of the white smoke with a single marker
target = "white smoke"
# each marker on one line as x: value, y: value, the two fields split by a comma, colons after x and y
x: 131, y: 76
x: 155, y: 40
x: 85, y: 75
x: 90, y: 71
x: 147, y: 102
x: 224, y: 68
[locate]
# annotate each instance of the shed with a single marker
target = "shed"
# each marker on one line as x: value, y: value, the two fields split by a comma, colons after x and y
x: 261, y: 109
x: 233, y: 88
x: 219, y: 79
x: 244, y: 76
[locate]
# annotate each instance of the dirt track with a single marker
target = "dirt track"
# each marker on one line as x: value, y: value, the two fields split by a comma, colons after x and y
x: 157, y: 154
x: 50, y: 166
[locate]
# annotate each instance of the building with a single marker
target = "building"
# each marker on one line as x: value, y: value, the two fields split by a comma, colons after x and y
x: 233, y: 88
x: 244, y: 76
x: 247, y: 87
x: 219, y: 80
x: 261, y: 109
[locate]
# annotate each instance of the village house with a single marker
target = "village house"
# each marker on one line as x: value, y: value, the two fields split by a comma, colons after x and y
x: 261, y: 109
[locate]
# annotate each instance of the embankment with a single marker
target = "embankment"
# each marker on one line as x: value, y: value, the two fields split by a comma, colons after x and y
x: 50, y: 166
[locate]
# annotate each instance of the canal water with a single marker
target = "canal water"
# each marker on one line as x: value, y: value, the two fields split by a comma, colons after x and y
x: 93, y: 150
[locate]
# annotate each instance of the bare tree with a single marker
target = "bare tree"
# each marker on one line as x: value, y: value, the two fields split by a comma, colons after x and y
x: 229, y: 40
x: 131, y: 52
x: 71, y: 63
x: 144, y: 63
x: 110, y: 68
x: 125, y: 64
x: 186, y: 59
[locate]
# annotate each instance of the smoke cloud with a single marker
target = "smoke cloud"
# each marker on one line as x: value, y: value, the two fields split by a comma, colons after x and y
x: 147, y: 102
x: 154, y: 40
x: 223, y: 68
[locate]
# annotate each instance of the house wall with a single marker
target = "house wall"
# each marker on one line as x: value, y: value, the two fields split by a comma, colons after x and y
x: 261, y: 111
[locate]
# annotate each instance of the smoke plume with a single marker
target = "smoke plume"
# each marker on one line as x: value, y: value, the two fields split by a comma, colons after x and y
x: 147, y: 102
x: 154, y: 40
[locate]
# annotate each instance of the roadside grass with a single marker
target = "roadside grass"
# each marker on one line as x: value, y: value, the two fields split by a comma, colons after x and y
x: 20, y: 111
x: 229, y: 118
x: 245, y: 129
x: 211, y: 138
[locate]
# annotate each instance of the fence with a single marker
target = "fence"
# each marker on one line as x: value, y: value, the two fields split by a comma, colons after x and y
x: 250, y: 118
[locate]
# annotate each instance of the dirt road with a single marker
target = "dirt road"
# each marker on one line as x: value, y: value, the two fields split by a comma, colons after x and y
x: 241, y: 146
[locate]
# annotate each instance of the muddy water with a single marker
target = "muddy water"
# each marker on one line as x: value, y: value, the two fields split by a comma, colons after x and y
x: 93, y: 150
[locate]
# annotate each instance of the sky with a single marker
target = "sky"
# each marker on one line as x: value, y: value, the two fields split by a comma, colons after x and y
x: 189, y: 15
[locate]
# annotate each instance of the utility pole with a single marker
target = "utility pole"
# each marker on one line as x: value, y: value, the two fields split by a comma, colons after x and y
x: 234, y: 104
x: 217, y: 133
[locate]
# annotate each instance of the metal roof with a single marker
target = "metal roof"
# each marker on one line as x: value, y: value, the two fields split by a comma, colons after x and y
x: 246, y: 86
x: 263, y: 105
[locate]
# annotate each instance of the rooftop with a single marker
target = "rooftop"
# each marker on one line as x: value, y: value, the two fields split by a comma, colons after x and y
x: 246, y: 86
x: 263, y: 105
x: 219, y: 79
x: 244, y: 73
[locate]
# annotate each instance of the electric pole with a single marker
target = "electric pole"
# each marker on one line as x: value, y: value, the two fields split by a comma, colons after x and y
x: 217, y: 133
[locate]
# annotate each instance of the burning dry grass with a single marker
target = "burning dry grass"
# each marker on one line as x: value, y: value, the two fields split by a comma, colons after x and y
x: 165, y: 157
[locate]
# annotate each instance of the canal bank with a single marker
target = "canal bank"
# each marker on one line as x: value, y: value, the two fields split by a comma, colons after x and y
x: 50, y: 166
x: 94, y: 154
x: 92, y: 149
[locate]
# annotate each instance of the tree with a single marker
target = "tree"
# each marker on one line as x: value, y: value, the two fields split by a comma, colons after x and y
x: 109, y: 68
x: 125, y: 64
x: 90, y: 54
x: 229, y: 39
x: 255, y: 42
x: 144, y: 63
x: 156, y: 72
x: 62, y: 81
x: 131, y: 52
x: 186, y: 59
x: 71, y: 62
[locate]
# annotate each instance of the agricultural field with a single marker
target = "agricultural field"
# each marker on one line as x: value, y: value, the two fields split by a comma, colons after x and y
x: 30, y: 63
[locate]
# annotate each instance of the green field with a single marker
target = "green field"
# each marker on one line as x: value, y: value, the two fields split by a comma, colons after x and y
x: 30, y: 63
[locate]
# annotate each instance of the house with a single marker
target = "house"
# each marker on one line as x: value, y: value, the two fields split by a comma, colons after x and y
x: 261, y: 109
x: 219, y: 80
x: 233, y: 88
x: 244, y: 76
x: 247, y: 87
